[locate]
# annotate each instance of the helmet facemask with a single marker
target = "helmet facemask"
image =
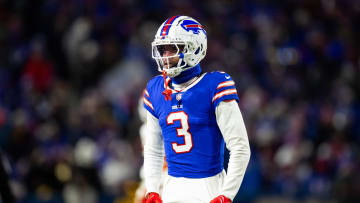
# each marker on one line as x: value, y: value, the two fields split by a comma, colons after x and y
x: 178, y: 49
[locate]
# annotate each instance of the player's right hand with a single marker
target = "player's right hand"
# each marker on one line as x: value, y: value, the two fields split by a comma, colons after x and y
x: 153, y: 197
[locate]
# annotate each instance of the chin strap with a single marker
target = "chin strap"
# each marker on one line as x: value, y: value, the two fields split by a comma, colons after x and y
x: 167, y: 92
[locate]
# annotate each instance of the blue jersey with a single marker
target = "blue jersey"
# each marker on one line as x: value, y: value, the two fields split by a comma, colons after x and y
x: 193, y: 143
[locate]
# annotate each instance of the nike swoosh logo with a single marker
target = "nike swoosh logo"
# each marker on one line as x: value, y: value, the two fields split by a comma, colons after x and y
x: 227, y: 77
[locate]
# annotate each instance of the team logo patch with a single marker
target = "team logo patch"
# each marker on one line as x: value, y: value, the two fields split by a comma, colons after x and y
x: 190, y: 25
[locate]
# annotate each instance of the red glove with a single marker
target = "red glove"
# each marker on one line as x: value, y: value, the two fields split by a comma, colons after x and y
x: 221, y: 199
x: 153, y: 197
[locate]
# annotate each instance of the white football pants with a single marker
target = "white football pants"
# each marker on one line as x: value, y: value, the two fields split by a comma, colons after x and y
x: 192, y: 190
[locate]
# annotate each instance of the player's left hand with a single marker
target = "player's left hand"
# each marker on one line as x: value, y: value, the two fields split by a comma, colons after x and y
x: 221, y: 199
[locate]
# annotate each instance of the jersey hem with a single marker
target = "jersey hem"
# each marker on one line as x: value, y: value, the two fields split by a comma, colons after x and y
x: 196, y: 176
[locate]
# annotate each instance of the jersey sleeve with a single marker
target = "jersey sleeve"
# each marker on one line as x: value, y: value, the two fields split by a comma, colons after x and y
x: 224, y: 89
x: 147, y: 99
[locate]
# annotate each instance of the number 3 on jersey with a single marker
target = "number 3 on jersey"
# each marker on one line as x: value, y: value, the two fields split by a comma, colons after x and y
x: 183, y: 131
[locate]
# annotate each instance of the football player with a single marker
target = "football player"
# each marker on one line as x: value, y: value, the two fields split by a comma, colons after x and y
x: 192, y: 115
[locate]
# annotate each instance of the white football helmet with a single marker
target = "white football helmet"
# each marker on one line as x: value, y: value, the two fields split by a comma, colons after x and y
x: 184, y: 34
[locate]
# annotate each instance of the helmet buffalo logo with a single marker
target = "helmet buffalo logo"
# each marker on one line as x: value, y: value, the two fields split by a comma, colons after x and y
x: 190, y: 25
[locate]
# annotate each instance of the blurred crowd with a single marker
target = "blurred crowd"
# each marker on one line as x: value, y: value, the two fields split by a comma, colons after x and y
x: 72, y: 73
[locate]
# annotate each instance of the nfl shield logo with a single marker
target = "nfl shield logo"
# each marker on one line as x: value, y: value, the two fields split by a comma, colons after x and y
x: 178, y: 97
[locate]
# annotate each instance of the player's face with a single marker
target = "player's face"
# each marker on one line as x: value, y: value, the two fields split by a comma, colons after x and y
x: 171, y: 55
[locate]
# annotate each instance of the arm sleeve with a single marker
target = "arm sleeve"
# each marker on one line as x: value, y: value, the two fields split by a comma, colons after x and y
x: 232, y: 127
x: 153, y: 154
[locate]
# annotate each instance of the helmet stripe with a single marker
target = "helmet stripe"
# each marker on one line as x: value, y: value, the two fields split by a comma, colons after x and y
x: 167, y: 25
